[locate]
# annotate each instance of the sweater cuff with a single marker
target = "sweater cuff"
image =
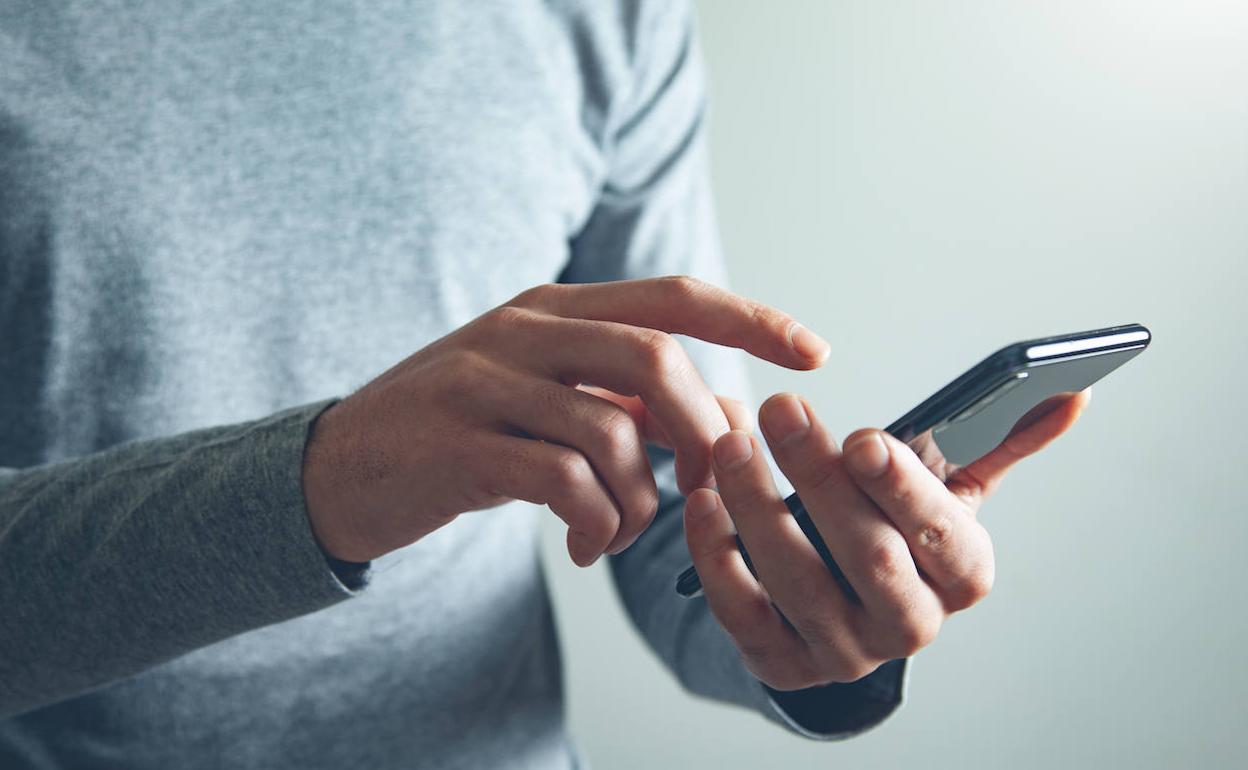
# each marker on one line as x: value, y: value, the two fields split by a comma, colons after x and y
x: 299, y: 569
x: 352, y: 576
x: 836, y: 711
x: 347, y: 577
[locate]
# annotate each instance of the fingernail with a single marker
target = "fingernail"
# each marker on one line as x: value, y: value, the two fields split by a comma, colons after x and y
x: 582, y: 549
x: 733, y: 450
x: 785, y: 419
x: 701, y: 503
x: 808, y: 344
x: 868, y: 455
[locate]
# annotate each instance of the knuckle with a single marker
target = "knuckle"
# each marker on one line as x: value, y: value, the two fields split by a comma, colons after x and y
x: 659, y: 353
x: 569, y: 470
x: 508, y: 317
x: 683, y: 287
x: 915, y: 633
x: 886, y: 562
x: 466, y: 362
x: 536, y: 296
x: 970, y: 483
x: 976, y: 577
x: 936, y: 533
x: 810, y: 593
x: 971, y: 588
x: 598, y: 528
x: 553, y: 399
x: 617, y: 436
x: 637, y: 513
x: 900, y: 494
x: 569, y: 475
x: 648, y: 507
x: 903, y: 638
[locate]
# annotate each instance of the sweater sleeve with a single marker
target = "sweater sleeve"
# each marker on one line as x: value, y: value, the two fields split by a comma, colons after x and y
x: 654, y: 216
x: 121, y: 560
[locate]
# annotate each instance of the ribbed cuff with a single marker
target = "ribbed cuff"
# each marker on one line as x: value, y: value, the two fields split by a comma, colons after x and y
x: 284, y: 564
x: 837, y: 711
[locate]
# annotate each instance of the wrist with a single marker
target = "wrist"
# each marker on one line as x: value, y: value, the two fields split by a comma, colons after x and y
x: 326, y: 504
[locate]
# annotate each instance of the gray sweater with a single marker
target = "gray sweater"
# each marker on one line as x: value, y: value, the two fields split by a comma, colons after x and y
x: 215, y: 218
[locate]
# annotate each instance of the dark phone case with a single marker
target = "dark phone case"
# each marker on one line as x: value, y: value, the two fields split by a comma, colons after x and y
x: 944, y: 403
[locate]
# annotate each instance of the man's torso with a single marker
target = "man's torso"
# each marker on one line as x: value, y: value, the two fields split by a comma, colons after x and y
x: 212, y: 211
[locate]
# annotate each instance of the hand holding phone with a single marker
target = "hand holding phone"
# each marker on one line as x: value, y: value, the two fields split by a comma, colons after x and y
x: 975, y: 412
x: 891, y: 544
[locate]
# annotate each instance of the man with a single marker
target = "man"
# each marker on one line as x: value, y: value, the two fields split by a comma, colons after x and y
x: 219, y: 218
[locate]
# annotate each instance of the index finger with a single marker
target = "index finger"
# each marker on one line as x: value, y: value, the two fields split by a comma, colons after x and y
x: 683, y: 305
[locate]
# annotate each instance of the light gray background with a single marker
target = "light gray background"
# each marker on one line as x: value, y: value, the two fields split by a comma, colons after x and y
x: 921, y: 183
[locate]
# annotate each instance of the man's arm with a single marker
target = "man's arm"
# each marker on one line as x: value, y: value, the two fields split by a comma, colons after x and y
x: 654, y: 217
x: 115, y: 562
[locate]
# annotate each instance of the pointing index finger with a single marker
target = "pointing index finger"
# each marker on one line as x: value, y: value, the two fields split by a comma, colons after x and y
x: 684, y: 305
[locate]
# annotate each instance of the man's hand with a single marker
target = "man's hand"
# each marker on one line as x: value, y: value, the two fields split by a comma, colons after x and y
x: 905, y: 536
x: 497, y: 410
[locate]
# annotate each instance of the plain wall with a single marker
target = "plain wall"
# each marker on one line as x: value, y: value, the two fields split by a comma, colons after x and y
x: 921, y: 183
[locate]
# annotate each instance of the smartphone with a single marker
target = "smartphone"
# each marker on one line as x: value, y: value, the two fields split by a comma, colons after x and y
x: 974, y: 413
